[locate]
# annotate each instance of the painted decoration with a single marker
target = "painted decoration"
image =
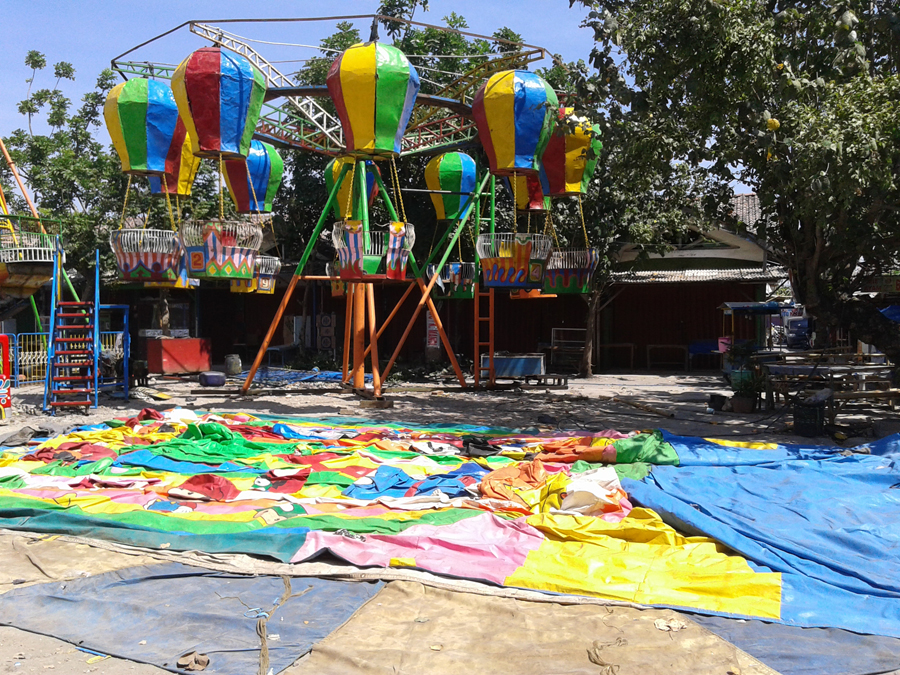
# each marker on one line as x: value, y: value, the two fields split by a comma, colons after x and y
x: 454, y: 172
x: 6, y: 357
x: 338, y: 287
x: 142, y: 119
x: 570, y: 271
x: 263, y: 280
x: 513, y: 112
x: 181, y: 166
x: 333, y: 170
x: 146, y: 255
x: 360, y: 253
x: 221, y: 249
x: 265, y: 168
x: 571, y: 155
x: 401, y: 237
x: 182, y: 278
x: 530, y: 191
x: 219, y: 96
x: 511, y: 260
x: 373, y: 87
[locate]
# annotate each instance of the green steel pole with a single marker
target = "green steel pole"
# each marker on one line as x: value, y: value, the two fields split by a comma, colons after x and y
x: 321, y: 223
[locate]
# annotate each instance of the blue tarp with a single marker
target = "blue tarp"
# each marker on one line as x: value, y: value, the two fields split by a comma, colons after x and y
x: 807, y: 651
x: 829, y: 523
x: 157, y: 613
x: 892, y: 312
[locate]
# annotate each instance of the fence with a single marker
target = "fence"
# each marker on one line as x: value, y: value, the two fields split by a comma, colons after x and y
x: 29, y: 354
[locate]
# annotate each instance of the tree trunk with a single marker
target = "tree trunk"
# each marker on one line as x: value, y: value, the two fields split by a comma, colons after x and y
x: 836, y: 308
x: 593, y: 302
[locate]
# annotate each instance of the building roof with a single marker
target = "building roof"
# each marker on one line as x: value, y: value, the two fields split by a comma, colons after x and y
x: 746, y: 209
x: 740, y: 274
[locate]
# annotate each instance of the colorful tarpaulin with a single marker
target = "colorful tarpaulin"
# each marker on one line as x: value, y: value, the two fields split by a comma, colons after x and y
x: 142, y: 120
x: 453, y: 172
x: 220, y: 96
x: 513, y: 111
x: 373, y: 87
x: 264, y: 168
x: 788, y: 534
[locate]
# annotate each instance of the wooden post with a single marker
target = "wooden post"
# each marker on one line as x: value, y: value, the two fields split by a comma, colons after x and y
x: 373, y: 340
x: 359, y: 336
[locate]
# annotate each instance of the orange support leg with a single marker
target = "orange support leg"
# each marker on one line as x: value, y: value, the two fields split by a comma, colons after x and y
x: 272, y: 327
x: 348, y: 321
x: 373, y: 340
x: 359, y: 337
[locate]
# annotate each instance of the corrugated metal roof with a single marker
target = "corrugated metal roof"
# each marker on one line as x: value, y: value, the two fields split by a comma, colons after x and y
x: 749, y: 274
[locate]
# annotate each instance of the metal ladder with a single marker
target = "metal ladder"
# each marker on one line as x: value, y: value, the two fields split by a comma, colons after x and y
x: 479, y: 370
x: 73, y: 352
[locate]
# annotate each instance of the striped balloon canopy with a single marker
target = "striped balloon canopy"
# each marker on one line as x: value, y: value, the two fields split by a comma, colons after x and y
x: 220, y: 96
x: 571, y: 155
x: 264, y: 167
x: 453, y: 172
x: 333, y: 170
x: 530, y: 192
x: 142, y: 120
x: 374, y: 87
x: 181, y: 166
x: 513, y: 112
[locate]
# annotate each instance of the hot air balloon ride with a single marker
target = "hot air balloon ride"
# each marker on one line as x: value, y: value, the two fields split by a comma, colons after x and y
x: 569, y: 163
x: 142, y: 119
x: 513, y: 112
x: 176, y: 184
x: 373, y: 87
x: 252, y: 184
x: 451, y: 177
x: 220, y: 96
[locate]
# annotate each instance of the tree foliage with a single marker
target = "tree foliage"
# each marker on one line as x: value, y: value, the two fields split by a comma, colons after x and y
x: 798, y: 100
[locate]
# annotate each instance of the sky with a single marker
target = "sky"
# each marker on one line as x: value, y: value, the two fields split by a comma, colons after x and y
x: 89, y: 33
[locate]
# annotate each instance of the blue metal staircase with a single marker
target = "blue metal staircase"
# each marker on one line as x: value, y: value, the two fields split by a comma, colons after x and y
x: 74, y: 348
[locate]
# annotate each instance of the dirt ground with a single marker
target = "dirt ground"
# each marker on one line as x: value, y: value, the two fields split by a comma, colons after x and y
x: 596, y: 403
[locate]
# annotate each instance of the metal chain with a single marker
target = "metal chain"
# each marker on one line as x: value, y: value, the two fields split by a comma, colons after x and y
x: 397, y: 194
x: 165, y: 188
x: 348, y: 212
x: 221, y: 193
x: 515, y: 202
x: 125, y: 205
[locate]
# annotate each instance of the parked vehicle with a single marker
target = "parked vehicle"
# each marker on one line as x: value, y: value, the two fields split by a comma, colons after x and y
x: 797, y: 332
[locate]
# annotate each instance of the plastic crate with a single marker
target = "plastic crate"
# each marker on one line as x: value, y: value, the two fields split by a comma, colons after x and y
x: 809, y: 420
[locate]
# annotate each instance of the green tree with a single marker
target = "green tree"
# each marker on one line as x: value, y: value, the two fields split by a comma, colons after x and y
x: 800, y: 101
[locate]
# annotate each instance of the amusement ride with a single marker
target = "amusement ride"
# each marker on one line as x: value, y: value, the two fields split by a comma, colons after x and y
x: 227, y: 104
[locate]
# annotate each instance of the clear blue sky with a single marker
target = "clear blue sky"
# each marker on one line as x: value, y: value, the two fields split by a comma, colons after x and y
x: 88, y: 33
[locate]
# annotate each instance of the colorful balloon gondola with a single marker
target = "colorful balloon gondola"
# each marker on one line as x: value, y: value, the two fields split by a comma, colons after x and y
x: 219, y: 96
x: 456, y: 281
x: 569, y: 163
x: 142, y: 119
x: 513, y: 260
x: 263, y: 281
x: 26, y: 254
x: 373, y: 87
x: 368, y: 255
